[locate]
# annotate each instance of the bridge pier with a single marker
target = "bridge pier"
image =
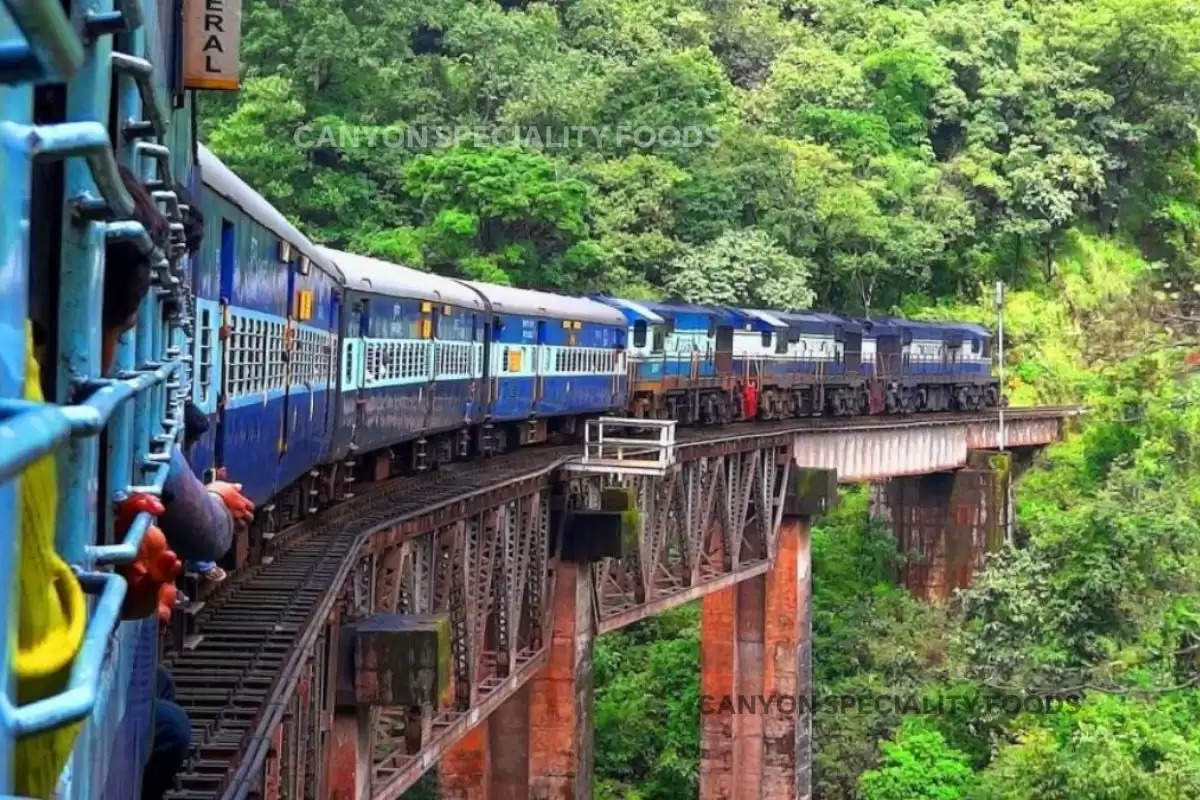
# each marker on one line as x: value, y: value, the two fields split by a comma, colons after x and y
x: 538, y: 744
x: 947, y: 522
x: 560, y: 695
x: 756, y: 679
x: 350, y: 754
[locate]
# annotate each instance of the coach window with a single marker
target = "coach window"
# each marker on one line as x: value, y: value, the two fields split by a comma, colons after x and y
x: 639, y: 333
x: 205, y: 354
x: 766, y: 339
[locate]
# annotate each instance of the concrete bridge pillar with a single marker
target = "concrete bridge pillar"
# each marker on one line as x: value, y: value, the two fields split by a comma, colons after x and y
x: 538, y: 744
x: 756, y: 666
x: 756, y: 679
x: 947, y: 522
x: 560, y: 695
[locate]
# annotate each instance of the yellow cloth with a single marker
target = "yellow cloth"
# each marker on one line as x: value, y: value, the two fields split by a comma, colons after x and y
x: 51, y: 614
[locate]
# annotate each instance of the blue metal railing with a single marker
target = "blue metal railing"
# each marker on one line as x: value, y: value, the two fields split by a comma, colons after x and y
x: 75, y: 701
x: 44, y: 45
x: 140, y: 406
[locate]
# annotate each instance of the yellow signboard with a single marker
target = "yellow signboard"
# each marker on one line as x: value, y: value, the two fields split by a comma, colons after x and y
x: 304, y: 305
x: 212, y: 38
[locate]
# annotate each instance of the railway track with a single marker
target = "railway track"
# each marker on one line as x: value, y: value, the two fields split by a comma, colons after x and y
x: 251, y: 629
x: 254, y: 627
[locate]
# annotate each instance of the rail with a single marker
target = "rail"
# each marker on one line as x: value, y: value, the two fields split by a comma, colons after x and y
x: 627, y: 446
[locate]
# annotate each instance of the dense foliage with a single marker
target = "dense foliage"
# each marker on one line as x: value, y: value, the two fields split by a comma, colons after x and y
x: 861, y: 154
x: 854, y: 151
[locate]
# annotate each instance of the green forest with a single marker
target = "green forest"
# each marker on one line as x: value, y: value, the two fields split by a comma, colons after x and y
x: 869, y: 156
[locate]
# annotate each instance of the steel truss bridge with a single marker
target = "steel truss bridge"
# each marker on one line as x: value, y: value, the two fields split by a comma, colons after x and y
x: 479, y: 544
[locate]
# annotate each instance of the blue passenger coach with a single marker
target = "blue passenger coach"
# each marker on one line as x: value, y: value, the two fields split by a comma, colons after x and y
x: 412, y: 362
x: 267, y: 307
x: 551, y: 360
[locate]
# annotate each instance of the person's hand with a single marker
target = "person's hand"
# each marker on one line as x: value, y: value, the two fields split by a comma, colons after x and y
x: 151, y: 574
x: 231, y: 495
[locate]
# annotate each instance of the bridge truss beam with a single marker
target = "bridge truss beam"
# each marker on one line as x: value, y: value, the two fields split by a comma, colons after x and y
x: 488, y: 562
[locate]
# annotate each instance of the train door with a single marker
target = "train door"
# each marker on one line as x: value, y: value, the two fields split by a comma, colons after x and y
x: 227, y: 256
x: 539, y: 370
x: 357, y: 326
x: 287, y: 348
x: 724, y: 350
x: 951, y: 354
x: 330, y: 378
x: 429, y: 332
x: 478, y: 369
x: 887, y: 356
x: 851, y: 351
x: 497, y: 363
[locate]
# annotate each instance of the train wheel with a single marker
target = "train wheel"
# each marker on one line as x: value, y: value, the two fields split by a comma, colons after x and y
x: 724, y: 410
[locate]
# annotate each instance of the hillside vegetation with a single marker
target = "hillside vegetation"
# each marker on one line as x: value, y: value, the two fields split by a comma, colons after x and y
x: 725, y: 150
x: 866, y: 156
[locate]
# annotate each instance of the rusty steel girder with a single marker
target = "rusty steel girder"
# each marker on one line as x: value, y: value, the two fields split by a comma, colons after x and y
x: 487, y: 567
x: 710, y: 521
x: 483, y: 561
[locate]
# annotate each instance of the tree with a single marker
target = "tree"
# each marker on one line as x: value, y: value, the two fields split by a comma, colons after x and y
x: 917, y: 765
x: 744, y: 268
x: 501, y: 212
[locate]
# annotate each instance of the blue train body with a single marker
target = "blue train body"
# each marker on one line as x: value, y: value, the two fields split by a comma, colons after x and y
x: 265, y: 338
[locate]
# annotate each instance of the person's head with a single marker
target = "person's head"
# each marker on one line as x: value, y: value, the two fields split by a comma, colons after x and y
x: 127, y: 270
x: 193, y: 219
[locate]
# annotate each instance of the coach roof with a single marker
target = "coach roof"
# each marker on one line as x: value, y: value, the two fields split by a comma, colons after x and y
x: 222, y: 180
x: 366, y: 274
x: 532, y: 303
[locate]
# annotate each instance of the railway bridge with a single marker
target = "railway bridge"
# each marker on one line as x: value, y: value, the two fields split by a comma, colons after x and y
x: 448, y: 619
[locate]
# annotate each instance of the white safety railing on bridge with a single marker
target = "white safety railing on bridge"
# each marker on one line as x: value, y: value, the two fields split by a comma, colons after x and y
x: 619, y: 445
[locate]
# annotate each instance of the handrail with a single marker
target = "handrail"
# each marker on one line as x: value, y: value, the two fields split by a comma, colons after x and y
x: 132, y: 11
x: 87, y: 140
x: 75, y: 701
x: 130, y: 231
x: 142, y: 71
x: 44, y: 427
x: 126, y: 17
x: 51, y: 49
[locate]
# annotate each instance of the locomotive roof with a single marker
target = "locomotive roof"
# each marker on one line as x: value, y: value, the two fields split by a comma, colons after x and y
x: 677, y: 309
x: 633, y: 309
x: 818, y: 322
x: 759, y: 317
x: 368, y: 274
x: 222, y: 180
x: 930, y: 329
x: 530, y: 302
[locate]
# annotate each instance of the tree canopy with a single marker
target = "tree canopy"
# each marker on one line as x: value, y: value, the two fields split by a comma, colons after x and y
x: 867, y: 150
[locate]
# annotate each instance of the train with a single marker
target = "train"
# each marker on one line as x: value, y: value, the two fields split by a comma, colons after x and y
x: 315, y: 370
x: 319, y: 367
